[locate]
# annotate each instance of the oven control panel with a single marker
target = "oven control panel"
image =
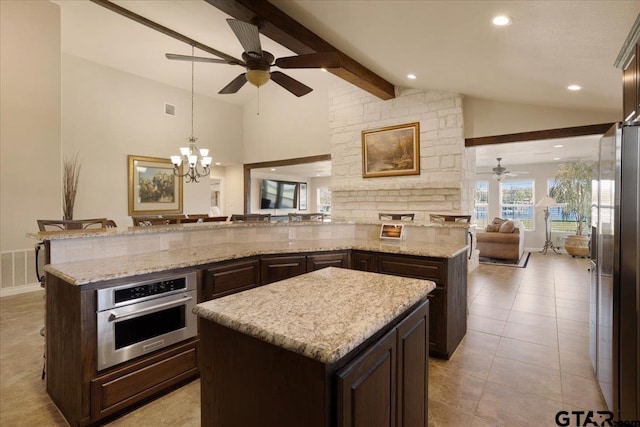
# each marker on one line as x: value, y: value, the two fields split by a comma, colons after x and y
x: 149, y: 289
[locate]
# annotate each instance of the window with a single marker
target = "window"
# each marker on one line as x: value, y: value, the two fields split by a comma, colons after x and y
x: 482, y: 204
x: 517, y: 202
x: 558, y: 221
x: 324, y: 200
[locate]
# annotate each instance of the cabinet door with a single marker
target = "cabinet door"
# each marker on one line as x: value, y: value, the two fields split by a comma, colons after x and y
x: 230, y: 278
x: 277, y: 268
x: 364, y: 261
x: 412, y: 267
x: 333, y: 259
x: 413, y: 365
x: 367, y: 387
x: 438, y: 322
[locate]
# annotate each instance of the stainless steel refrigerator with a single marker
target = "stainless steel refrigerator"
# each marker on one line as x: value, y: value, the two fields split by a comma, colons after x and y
x: 615, y: 285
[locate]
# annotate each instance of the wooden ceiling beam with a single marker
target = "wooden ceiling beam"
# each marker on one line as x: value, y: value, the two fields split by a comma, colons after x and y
x: 288, y: 32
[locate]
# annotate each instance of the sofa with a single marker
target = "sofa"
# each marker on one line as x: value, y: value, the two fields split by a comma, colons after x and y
x: 502, y: 239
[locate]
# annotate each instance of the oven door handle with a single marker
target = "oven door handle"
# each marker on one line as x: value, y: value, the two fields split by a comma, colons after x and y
x: 117, y: 316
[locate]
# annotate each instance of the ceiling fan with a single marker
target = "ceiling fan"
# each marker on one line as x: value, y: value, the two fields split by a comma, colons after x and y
x: 500, y: 172
x: 258, y: 62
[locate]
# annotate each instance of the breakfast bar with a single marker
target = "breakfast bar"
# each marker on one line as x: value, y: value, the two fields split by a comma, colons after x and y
x: 330, y: 347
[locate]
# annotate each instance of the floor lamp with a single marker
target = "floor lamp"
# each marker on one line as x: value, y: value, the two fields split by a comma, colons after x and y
x: 546, y: 202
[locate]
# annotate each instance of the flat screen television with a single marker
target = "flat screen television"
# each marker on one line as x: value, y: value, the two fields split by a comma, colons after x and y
x: 278, y: 194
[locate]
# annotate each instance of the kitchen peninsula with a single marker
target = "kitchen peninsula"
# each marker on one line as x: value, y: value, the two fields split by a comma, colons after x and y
x: 330, y: 347
x: 222, y: 259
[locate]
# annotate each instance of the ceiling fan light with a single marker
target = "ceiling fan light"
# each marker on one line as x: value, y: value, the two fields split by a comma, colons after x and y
x: 498, y: 177
x: 257, y: 77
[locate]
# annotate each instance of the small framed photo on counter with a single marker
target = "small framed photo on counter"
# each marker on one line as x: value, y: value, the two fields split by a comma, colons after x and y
x: 392, y: 231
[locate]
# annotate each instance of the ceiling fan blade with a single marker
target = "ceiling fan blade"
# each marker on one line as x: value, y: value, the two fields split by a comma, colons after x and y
x: 311, y: 60
x: 178, y: 57
x: 290, y: 84
x: 248, y: 35
x: 235, y: 85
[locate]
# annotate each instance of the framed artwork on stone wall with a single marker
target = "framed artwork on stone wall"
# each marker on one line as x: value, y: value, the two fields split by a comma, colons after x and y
x: 391, y: 151
x: 153, y: 188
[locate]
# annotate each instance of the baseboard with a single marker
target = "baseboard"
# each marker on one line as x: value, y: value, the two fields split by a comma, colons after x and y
x: 20, y: 290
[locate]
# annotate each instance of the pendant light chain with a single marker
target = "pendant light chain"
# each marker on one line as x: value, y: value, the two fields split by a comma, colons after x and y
x: 196, y: 160
x: 192, y: 77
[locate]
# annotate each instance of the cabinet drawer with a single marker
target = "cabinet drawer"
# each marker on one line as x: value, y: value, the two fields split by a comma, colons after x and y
x: 411, y: 267
x: 273, y: 269
x: 123, y: 387
x: 333, y: 259
x: 364, y: 261
x: 230, y: 278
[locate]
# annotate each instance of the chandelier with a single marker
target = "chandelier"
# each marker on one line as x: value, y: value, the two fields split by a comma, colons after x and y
x: 197, y: 160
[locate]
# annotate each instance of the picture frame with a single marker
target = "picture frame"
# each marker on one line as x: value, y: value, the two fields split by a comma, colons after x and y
x: 303, y: 196
x: 152, y: 186
x: 391, y: 151
x: 392, y: 231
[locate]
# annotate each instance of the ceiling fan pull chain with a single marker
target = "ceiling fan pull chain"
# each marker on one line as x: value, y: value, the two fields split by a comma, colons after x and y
x: 258, y: 106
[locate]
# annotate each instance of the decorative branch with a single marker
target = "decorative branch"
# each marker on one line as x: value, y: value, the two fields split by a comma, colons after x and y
x: 70, y: 178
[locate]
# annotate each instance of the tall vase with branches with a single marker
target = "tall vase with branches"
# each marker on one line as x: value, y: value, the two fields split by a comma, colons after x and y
x: 70, y: 178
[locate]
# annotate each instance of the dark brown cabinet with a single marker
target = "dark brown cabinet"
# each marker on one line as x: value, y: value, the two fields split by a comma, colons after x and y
x: 448, y: 314
x: 382, y: 383
x: 388, y: 384
x: 329, y: 259
x: 276, y: 268
x: 230, y: 277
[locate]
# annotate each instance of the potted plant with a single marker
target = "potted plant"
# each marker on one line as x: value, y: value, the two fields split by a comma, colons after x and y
x: 572, y: 190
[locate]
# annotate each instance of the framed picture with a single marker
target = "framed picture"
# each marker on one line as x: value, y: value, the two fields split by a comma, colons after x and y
x: 391, y: 151
x: 392, y: 231
x: 303, y: 196
x: 153, y: 188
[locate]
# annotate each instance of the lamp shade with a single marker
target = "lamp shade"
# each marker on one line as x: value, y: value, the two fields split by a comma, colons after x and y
x: 546, y: 202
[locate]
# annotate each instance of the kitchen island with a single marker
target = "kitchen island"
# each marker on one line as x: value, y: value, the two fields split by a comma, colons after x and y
x: 225, y: 259
x: 331, y: 347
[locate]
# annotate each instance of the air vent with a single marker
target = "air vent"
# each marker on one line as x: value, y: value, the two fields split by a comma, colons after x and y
x: 169, y: 110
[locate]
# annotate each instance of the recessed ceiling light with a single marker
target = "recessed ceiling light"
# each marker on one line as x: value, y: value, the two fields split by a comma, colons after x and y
x: 558, y: 146
x: 218, y: 163
x: 502, y: 20
x: 323, y: 69
x: 272, y: 169
x: 411, y: 76
x: 574, y: 87
x: 556, y: 158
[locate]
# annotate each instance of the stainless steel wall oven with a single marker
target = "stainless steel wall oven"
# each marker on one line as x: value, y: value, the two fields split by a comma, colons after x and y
x: 138, y: 318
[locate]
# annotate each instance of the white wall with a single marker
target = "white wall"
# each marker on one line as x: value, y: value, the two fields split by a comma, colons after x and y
x: 288, y: 127
x: 108, y: 114
x: 484, y: 117
x: 233, y: 190
x: 30, y: 171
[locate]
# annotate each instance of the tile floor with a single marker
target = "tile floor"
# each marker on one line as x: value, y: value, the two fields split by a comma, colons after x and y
x: 524, y: 358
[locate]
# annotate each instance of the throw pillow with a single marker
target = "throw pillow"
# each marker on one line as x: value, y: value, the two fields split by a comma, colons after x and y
x: 507, y: 227
x: 493, y: 228
x: 498, y: 221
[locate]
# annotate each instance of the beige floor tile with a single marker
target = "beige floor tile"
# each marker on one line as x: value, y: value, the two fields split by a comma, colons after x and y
x: 566, y: 326
x: 572, y: 304
x: 578, y: 364
x: 532, y: 307
x: 442, y: 415
x: 489, y: 312
x: 534, y: 334
x: 446, y: 386
x: 484, y: 324
x: 582, y: 392
x: 511, y: 407
x: 492, y: 301
x: 481, y: 422
x: 536, y: 354
x: 532, y: 319
x: 526, y: 377
x: 537, y: 290
x: 575, y: 343
x: 575, y: 315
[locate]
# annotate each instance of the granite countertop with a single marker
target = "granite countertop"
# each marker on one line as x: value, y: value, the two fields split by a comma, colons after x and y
x: 91, y: 271
x: 322, y: 315
x: 123, y: 231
